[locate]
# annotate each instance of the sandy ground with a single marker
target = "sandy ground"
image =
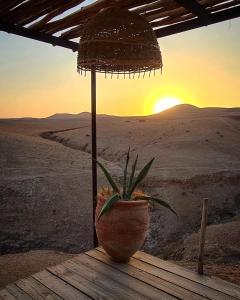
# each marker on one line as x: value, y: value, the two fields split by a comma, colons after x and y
x: 45, y: 183
x: 17, y: 266
x: 228, y: 272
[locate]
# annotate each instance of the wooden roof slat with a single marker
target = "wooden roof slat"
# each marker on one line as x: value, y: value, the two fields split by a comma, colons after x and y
x: 224, y: 5
x: 155, y: 5
x: 172, y: 20
x: 195, y: 8
x: 165, y: 16
x: 135, y: 3
x: 173, y: 12
x: 208, y: 3
x: 197, y: 23
x: 167, y: 13
x: 86, y: 12
x: 51, y: 12
x: 146, y: 14
x: 55, y: 12
x: 89, y: 11
x: 75, y: 17
x: 31, y: 10
x: 5, y: 6
x: 77, y: 30
x: 159, y: 10
x: 73, y: 33
x: 181, y: 12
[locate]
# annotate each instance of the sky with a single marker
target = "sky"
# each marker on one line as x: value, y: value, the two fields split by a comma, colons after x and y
x: 201, y: 67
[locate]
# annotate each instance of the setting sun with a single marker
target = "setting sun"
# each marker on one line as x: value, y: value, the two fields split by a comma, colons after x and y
x: 165, y: 103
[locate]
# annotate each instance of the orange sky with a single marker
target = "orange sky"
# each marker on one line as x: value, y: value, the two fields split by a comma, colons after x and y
x: 201, y: 67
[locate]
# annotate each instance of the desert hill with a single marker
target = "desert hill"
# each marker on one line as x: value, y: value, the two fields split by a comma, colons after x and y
x: 185, y: 140
x: 81, y: 115
x: 45, y: 186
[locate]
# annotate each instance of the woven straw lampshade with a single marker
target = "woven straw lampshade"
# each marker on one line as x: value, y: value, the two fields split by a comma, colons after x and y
x: 118, y: 41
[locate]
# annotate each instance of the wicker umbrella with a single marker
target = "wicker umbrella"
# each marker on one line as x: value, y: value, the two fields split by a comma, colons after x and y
x: 115, y: 41
x: 118, y: 41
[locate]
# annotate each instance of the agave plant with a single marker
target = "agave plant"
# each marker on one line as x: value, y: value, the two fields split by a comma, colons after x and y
x: 130, y: 183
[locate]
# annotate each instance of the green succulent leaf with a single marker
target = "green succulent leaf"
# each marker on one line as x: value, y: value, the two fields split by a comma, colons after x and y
x: 109, y: 178
x: 108, y: 204
x: 132, y: 175
x: 159, y: 201
x: 142, y: 174
x: 125, y: 174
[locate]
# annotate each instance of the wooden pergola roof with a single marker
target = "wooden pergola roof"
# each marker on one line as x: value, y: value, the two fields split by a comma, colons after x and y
x: 50, y: 20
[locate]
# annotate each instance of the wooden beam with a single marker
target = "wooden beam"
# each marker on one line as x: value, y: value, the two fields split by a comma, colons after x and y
x: 197, y: 23
x: 195, y: 8
x: 39, y: 36
x: 202, y: 235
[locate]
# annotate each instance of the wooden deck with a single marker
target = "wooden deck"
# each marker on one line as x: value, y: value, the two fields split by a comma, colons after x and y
x: 93, y: 276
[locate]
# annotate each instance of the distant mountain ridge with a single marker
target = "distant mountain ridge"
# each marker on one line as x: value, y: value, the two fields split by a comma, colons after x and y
x: 85, y: 114
x: 69, y: 116
x: 178, y: 109
x: 189, y: 110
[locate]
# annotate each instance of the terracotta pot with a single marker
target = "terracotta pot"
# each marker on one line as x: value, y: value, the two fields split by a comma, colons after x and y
x: 122, y: 230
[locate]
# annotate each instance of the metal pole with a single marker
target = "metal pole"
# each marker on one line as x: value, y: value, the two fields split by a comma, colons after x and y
x: 94, y: 151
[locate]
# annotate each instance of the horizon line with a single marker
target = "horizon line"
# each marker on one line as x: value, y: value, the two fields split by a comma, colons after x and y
x: 120, y: 116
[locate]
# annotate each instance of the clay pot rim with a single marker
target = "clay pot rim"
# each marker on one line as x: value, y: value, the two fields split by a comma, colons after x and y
x: 127, y: 203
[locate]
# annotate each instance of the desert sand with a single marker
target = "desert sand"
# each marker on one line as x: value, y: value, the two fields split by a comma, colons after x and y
x: 45, y: 186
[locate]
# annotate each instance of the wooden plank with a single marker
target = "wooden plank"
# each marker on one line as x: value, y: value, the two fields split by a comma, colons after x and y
x: 60, y: 287
x: 113, y: 288
x: 154, y: 281
x: 17, y: 292
x: 195, y: 287
x: 36, y: 290
x: 136, y: 288
x: 188, y: 284
x: 4, y: 294
x: 76, y: 278
x: 222, y: 286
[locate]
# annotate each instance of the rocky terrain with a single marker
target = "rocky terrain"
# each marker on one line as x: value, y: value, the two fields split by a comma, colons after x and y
x: 45, y: 186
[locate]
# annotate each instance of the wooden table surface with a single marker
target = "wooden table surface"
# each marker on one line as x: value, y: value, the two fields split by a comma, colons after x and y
x: 92, y: 275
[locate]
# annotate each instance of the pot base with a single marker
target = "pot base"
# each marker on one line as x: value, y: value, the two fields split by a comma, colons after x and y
x: 119, y: 260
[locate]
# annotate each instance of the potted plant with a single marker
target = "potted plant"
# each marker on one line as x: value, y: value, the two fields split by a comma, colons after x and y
x: 122, y: 213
